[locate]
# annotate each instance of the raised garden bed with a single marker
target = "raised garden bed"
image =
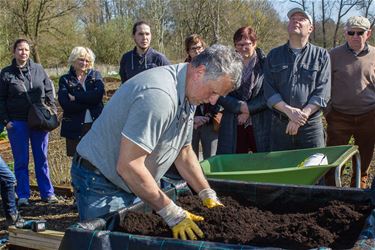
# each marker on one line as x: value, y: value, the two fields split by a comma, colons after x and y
x: 335, y: 224
x: 255, y: 215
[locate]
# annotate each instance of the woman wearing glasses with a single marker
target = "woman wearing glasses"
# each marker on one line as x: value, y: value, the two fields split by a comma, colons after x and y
x: 24, y: 75
x: 203, y: 119
x: 80, y: 95
x: 245, y: 123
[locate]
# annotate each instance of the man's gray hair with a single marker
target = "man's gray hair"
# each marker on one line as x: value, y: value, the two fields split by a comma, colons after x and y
x: 220, y: 60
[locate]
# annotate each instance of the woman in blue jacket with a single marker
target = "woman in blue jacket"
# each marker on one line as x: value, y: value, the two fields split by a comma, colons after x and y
x: 80, y: 95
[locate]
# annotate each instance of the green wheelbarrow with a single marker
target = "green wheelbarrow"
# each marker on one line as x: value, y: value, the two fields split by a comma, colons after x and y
x: 281, y: 166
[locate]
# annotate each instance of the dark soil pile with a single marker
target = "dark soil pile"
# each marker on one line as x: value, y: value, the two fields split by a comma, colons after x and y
x: 295, y: 226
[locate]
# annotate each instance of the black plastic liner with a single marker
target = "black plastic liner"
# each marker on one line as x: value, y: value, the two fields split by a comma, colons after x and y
x: 98, y: 233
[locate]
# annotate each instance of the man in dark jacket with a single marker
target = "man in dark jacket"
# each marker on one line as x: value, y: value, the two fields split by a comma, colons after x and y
x: 297, y: 83
x: 142, y: 57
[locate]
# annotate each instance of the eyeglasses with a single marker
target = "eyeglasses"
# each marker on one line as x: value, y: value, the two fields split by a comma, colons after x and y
x: 359, y: 33
x: 195, y: 48
x: 243, y: 44
x: 84, y: 60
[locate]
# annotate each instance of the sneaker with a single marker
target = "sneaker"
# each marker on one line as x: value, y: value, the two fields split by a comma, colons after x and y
x: 23, y: 202
x: 14, y: 219
x: 363, y: 183
x: 51, y: 199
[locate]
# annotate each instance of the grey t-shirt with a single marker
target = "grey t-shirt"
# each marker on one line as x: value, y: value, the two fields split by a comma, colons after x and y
x: 150, y: 110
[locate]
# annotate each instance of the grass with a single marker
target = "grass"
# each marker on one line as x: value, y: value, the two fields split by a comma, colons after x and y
x: 4, y: 135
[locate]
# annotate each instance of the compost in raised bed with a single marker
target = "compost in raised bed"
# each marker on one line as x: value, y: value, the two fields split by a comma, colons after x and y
x: 293, y: 225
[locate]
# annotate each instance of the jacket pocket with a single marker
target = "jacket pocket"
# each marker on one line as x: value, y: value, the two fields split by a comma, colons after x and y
x: 280, y: 73
x: 308, y: 73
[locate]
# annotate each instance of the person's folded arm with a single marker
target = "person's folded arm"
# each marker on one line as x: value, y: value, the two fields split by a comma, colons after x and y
x: 92, y: 96
x: 310, y: 109
x: 230, y: 104
x: 66, y: 104
x: 294, y: 114
x: 257, y: 104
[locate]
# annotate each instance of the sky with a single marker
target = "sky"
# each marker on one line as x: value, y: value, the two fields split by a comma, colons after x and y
x: 283, y: 6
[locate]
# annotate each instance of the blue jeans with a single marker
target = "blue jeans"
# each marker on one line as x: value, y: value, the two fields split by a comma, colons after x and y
x: 19, y: 136
x: 7, y: 185
x: 95, y: 194
x: 311, y: 135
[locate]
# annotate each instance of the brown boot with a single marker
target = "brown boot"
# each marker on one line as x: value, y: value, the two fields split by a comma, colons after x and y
x: 364, y: 182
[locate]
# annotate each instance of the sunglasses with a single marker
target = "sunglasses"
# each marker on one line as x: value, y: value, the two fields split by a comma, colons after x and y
x: 359, y: 33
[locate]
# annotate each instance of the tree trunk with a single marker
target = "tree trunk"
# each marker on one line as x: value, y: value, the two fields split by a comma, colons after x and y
x: 324, y: 26
x: 35, y: 53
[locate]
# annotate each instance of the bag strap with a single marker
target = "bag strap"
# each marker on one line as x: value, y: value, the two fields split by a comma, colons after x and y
x: 27, y: 95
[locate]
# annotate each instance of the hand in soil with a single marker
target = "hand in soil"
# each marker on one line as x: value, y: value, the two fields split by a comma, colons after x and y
x: 188, y: 226
x: 211, y: 203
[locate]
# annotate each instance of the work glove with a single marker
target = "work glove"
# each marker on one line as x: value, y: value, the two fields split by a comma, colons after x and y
x: 209, y: 198
x: 181, y: 222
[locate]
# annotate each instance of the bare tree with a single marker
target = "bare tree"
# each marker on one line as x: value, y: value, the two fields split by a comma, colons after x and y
x: 324, y: 24
x: 32, y: 18
x: 314, y: 20
x: 366, y: 7
x: 301, y: 3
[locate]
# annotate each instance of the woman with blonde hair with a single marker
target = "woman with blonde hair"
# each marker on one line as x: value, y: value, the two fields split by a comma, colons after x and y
x: 80, y: 95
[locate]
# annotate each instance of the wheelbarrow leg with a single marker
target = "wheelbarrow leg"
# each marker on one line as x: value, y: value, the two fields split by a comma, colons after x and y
x: 357, y: 159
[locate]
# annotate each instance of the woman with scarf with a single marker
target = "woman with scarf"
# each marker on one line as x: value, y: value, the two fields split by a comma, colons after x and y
x: 245, y: 123
x: 22, y: 76
x: 80, y: 95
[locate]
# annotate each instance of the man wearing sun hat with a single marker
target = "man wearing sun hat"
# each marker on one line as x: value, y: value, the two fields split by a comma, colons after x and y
x: 297, y: 84
x: 352, y: 102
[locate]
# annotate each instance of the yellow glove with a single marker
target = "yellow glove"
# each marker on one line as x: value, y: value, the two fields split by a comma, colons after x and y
x: 210, y: 203
x: 209, y: 198
x: 188, y: 226
x: 181, y: 221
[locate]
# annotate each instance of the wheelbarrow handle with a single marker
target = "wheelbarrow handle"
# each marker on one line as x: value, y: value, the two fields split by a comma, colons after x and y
x: 358, y: 174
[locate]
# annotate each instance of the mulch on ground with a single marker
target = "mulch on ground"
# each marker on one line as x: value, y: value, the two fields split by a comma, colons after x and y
x: 59, y: 216
x: 335, y: 224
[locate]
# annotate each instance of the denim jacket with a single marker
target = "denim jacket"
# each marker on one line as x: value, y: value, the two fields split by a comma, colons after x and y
x: 298, y: 80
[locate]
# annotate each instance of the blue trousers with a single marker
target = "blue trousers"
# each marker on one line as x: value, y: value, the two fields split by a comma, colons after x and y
x: 7, y: 185
x: 19, y: 136
x: 311, y: 135
x: 95, y: 194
